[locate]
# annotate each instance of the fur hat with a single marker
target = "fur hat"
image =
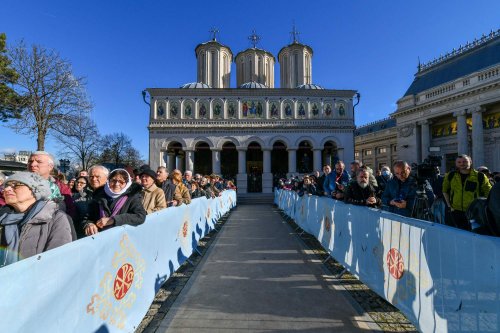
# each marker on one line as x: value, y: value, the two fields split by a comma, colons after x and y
x: 38, y: 185
x: 148, y: 172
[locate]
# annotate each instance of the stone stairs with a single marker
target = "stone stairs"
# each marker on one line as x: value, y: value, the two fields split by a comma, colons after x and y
x: 255, y: 198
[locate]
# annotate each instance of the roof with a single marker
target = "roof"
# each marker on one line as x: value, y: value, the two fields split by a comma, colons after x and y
x: 481, y: 54
x: 253, y: 85
x: 255, y: 49
x: 211, y: 42
x: 195, y: 85
x: 309, y: 86
x: 296, y: 44
x: 375, y: 126
x: 12, y: 166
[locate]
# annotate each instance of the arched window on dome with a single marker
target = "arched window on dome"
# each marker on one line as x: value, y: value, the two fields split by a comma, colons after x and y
x: 295, y: 70
x: 308, y: 70
x: 214, y: 77
x: 204, y: 68
x: 260, y: 71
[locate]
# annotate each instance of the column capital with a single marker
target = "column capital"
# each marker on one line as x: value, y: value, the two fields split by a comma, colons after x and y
x: 241, y: 148
x: 291, y: 149
x: 477, y: 109
x: 425, y: 122
x: 215, y: 149
x: 460, y: 113
x: 317, y: 149
x: 190, y: 150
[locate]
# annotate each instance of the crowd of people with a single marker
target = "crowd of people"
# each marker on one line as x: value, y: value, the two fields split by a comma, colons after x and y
x: 445, y: 199
x: 40, y: 210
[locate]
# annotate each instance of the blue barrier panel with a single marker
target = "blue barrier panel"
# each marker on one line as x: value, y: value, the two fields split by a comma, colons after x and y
x: 106, y: 282
x: 443, y: 279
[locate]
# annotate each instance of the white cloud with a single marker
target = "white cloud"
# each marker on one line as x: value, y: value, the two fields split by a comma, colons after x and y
x: 7, y: 150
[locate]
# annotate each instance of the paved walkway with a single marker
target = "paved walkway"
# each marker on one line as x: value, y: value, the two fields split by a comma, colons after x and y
x: 258, y: 277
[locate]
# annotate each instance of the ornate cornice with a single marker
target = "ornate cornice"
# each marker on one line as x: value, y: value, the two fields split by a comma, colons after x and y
x: 239, y: 124
x: 242, y: 93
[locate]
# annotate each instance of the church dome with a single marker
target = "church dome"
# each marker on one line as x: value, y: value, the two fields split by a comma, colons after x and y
x: 194, y: 85
x: 253, y: 85
x: 310, y: 86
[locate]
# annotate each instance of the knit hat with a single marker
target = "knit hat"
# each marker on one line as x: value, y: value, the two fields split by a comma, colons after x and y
x: 38, y: 185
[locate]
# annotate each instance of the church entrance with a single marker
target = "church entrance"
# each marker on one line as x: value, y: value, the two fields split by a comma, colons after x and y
x: 202, y: 159
x: 254, y: 167
x: 229, y: 161
x: 305, y: 157
x: 330, y: 154
x: 279, y: 162
x: 174, y: 156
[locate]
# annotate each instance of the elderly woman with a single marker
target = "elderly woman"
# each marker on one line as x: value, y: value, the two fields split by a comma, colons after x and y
x: 29, y: 223
x: 180, y: 188
x: 153, y: 197
x: 119, y: 202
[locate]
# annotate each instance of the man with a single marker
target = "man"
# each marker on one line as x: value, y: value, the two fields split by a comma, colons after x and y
x: 197, y: 178
x: 336, y: 182
x: 361, y: 192
x: 42, y: 163
x: 188, y: 179
x: 460, y: 188
x: 383, y: 179
x: 2, y: 180
x: 355, y: 166
x: 167, y: 186
x: 153, y: 198
x: 321, y: 179
x: 494, y: 207
x: 98, y: 176
x: 400, y: 192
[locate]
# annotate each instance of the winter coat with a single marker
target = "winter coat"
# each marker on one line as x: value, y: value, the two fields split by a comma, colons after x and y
x: 395, y: 189
x: 170, y: 192
x: 356, y: 195
x: 182, y: 191
x: 131, y: 213
x: 462, y: 194
x: 153, y: 199
x: 48, y: 229
x: 329, y: 185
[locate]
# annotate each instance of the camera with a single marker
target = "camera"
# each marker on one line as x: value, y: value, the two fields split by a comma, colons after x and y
x: 428, y: 168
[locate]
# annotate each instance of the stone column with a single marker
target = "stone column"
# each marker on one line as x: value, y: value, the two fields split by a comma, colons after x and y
x: 241, y: 177
x: 267, y: 176
x: 189, y: 160
x: 477, y: 137
x: 170, y: 161
x: 179, y: 162
x: 216, y: 161
x: 426, y: 140
x: 462, y: 131
x: 316, y: 160
x: 292, y: 160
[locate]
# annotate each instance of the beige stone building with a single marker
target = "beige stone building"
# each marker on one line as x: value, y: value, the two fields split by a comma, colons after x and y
x: 376, y: 143
x: 453, y: 107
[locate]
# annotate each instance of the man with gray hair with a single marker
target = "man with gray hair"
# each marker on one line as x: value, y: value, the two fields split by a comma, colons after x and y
x: 2, y: 180
x: 188, y: 179
x: 98, y: 176
x: 42, y: 163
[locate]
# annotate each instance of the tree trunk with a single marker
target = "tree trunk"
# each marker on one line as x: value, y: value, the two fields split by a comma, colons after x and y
x: 40, y: 141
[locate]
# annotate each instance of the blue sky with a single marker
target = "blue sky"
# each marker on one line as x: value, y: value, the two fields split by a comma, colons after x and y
x: 122, y: 47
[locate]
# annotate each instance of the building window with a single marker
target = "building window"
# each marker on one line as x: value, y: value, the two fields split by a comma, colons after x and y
x: 368, y: 152
x: 382, y: 150
x: 356, y: 154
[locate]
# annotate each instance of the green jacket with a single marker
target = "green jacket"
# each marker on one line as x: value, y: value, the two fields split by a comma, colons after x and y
x: 462, y: 195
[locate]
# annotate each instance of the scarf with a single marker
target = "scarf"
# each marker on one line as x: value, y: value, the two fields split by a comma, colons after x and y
x: 114, y: 195
x: 12, y: 224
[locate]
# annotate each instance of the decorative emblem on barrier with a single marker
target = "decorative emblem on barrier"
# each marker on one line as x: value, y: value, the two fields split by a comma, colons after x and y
x: 123, y: 281
x: 327, y: 224
x: 117, y: 294
x: 395, y: 263
x: 209, y: 213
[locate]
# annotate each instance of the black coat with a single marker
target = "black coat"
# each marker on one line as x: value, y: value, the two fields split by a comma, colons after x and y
x: 356, y: 195
x: 131, y: 213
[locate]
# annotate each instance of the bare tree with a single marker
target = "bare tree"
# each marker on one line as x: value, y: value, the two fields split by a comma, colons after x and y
x: 80, y: 141
x: 52, y: 95
x: 10, y: 101
x: 117, y: 149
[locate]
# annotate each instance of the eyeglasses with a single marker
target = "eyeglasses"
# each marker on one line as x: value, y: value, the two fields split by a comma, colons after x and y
x: 14, y: 185
x: 81, y: 183
x: 117, y: 181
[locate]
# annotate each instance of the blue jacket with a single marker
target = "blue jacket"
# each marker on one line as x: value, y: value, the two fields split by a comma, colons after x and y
x: 329, y: 184
x: 395, y: 189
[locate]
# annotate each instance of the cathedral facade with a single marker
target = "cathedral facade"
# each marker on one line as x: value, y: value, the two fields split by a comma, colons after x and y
x: 253, y: 133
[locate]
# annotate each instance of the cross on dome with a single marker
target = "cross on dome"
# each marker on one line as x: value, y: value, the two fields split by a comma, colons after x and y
x: 295, y: 34
x: 214, y: 31
x: 254, y: 38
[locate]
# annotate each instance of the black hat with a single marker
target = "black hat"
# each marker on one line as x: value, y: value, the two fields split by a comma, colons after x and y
x: 148, y: 172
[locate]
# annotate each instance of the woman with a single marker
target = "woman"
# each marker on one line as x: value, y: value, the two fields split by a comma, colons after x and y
x: 29, y: 223
x: 230, y: 185
x: 196, y: 191
x: 119, y: 202
x: 153, y: 197
x: 82, y: 195
x: 180, y: 188
x: 71, y: 185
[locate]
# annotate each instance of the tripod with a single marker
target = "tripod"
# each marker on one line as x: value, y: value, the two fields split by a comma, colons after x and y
x: 421, y: 209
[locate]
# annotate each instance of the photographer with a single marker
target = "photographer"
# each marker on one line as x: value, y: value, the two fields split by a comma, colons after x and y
x: 400, y: 192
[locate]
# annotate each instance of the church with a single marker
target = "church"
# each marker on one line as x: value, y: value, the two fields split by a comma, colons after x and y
x: 253, y: 133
